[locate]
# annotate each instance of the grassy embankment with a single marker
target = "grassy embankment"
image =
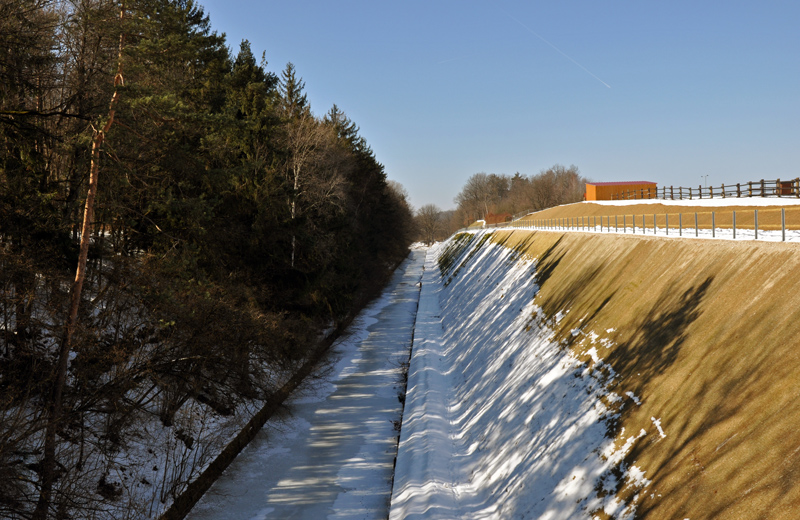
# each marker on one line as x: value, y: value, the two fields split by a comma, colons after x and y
x: 707, y: 334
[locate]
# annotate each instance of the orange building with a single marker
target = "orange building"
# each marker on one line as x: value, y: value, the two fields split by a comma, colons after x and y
x: 620, y: 190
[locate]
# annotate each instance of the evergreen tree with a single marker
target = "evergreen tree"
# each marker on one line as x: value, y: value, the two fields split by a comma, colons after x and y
x: 294, y: 100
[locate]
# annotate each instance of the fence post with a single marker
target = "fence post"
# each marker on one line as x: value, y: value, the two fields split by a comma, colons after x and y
x: 666, y: 217
x: 723, y: 191
x: 634, y: 223
x: 616, y: 224
x: 762, y: 188
x: 734, y: 225
x: 624, y: 224
x: 783, y: 224
x: 749, y: 188
x: 797, y: 187
x: 696, y: 230
x: 710, y: 192
x: 671, y: 193
x: 755, y: 224
x: 644, y: 225
x: 654, y: 224
x: 700, y: 190
x: 738, y: 191
x: 680, y: 224
x: 778, y: 187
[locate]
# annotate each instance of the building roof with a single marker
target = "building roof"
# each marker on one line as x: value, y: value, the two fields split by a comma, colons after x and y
x: 624, y: 183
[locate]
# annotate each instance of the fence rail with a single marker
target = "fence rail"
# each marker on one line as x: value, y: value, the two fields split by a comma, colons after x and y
x: 762, y: 188
x: 770, y: 223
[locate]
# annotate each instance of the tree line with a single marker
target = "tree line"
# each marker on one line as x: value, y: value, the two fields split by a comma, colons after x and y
x: 232, y: 227
x: 498, y: 197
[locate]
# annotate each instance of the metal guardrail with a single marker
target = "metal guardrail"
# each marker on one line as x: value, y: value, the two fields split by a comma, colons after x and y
x: 709, y: 224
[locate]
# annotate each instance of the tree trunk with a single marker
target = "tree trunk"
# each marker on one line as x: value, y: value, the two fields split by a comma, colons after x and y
x: 56, y: 403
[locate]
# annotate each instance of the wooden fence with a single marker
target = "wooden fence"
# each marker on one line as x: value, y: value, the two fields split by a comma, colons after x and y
x: 762, y: 188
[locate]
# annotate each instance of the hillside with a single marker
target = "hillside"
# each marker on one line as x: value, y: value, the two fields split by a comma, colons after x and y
x: 690, y: 343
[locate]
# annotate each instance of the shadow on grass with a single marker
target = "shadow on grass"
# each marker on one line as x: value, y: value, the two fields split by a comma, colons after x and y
x: 658, y: 338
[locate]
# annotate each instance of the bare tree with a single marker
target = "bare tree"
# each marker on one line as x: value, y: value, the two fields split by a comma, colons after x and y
x: 555, y: 186
x: 305, y: 140
x: 481, y: 195
x: 429, y: 222
x: 56, y: 404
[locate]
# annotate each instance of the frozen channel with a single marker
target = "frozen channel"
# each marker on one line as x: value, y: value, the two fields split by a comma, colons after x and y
x: 332, y: 455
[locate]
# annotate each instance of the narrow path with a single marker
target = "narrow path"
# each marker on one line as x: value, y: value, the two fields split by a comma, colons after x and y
x: 332, y: 456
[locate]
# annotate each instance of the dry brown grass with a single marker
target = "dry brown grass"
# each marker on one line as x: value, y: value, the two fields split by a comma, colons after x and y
x: 707, y: 334
x: 768, y: 217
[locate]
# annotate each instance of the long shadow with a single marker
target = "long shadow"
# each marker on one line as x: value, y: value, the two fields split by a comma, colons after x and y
x: 547, y: 263
x: 655, y: 345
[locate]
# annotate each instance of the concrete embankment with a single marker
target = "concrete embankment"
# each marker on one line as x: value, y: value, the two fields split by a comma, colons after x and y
x: 690, y: 350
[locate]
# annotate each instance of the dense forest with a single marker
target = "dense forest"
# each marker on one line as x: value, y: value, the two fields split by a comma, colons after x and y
x: 231, y: 229
x: 498, y: 197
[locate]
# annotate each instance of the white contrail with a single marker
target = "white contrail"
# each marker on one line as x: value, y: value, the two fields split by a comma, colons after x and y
x: 558, y: 50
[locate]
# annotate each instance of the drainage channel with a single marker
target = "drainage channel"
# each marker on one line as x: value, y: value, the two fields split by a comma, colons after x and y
x: 332, y: 455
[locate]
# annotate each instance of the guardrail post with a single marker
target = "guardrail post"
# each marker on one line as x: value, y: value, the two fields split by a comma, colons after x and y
x: 755, y: 224
x: 783, y: 224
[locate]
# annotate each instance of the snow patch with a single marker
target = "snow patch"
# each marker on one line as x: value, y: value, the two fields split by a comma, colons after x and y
x: 657, y: 423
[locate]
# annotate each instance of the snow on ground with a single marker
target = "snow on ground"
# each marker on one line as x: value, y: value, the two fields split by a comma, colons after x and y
x: 332, y: 455
x: 501, y: 420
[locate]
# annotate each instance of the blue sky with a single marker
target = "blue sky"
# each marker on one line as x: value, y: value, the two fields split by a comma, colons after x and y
x: 626, y: 90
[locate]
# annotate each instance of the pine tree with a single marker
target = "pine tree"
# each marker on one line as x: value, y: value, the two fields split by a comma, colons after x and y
x: 294, y: 100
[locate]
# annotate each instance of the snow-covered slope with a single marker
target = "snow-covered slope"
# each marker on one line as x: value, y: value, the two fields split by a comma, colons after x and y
x: 501, y: 420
